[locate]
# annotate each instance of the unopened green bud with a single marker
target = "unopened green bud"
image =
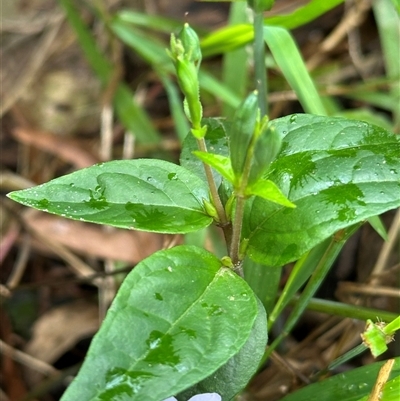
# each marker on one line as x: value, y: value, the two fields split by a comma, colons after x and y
x: 243, y: 248
x: 191, y: 44
x: 266, y: 149
x: 260, y: 5
x: 242, y: 130
x: 229, y: 206
x: 227, y: 262
x: 210, y: 209
x: 188, y: 82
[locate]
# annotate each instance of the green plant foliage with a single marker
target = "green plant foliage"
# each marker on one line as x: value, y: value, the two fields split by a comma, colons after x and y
x: 350, y: 386
x: 233, y: 376
x: 151, y: 195
x: 160, y: 334
x: 337, y: 172
x: 290, y: 62
x: 217, y: 142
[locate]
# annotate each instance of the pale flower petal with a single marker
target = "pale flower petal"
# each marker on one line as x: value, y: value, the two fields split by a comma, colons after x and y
x: 206, y: 397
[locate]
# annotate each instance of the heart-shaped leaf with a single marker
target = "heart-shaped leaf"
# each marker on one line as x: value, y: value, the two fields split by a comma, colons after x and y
x: 143, y: 194
x: 336, y: 171
x: 177, y: 317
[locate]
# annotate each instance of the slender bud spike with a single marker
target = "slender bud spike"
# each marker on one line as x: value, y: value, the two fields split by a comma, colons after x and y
x: 260, y: 5
x: 243, y: 127
x: 191, y: 43
x: 266, y: 149
x: 210, y: 209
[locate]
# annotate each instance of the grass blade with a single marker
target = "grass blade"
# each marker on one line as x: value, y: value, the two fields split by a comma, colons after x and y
x: 234, y: 64
x: 289, y: 60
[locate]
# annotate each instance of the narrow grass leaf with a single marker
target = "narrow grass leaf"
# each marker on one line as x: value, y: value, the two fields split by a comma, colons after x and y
x: 304, y: 14
x: 234, y: 63
x: 290, y: 62
x: 352, y: 385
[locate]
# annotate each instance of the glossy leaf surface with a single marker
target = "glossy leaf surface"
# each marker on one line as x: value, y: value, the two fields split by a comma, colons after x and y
x: 350, y: 386
x: 177, y: 317
x: 337, y: 172
x: 235, y: 374
x: 150, y: 195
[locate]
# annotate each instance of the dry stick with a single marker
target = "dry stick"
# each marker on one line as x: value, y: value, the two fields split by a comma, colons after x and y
x: 35, y: 63
x: 78, y: 266
x: 383, y: 376
x: 353, y: 18
x: 288, y: 367
x: 387, y: 247
x: 361, y: 288
x: 28, y: 360
x: 20, y: 264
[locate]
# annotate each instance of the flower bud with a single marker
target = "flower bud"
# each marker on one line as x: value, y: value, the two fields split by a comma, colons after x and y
x: 210, y: 209
x: 266, y: 149
x: 242, y: 131
x: 191, y: 44
x: 188, y: 82
x: 260, y: 5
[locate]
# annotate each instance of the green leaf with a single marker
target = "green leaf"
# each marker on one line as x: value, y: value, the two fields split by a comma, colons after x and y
x: 178, y: 317
x: 220, y: 163
x: 264, y: 281
x: 143, y: 194
x: 338, y: 172
x: 266, y: 189
x: 216, y: 141
x: 234, y: 375
x: 350, y: 386
x: 304, y: 14
x: 287, y: 56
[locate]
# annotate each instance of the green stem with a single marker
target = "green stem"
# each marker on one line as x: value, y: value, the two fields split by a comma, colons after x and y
x: 236, y: 231
x: 259, y: 63
x: 213, y: 187
x: 234, y: 250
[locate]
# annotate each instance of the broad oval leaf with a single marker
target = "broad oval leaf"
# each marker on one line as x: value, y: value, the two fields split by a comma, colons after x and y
x: 235, y: 374
x: 142, y: 194
x: 336, y: 171
x: 177, y: 317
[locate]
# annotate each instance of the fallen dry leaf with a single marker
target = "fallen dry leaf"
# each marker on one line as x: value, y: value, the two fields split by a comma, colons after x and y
x: 95, y: 240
